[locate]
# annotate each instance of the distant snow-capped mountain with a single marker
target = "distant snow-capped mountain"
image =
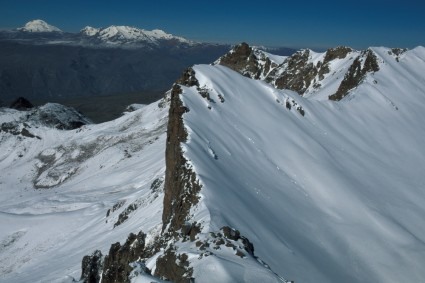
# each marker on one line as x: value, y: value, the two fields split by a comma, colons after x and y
x: 112, y: 36
x: 130, y: 35
x: 113, y: 60
x: 38, y: 26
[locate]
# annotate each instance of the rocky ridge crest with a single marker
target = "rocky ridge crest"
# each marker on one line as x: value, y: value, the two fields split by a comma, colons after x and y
x: 305, y: 71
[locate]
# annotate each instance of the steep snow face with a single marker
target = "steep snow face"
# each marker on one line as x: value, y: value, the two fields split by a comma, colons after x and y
x: 39, y: 26
x: 128, y: 35
x: 334, y: 195
x: 96, y: 186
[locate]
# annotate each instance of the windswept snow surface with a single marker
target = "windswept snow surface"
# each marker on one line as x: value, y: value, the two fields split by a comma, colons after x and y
x: 45, y: 233
x: 335, y: 196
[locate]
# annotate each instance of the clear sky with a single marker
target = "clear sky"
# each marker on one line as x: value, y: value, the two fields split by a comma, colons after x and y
x: 299, y: 23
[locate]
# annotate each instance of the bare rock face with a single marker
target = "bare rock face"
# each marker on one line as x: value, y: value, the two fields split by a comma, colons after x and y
x: 339, y: 52
x: 181, y: 186
x: 247, y: 61
x: 356, y: 74
x: 174, y: 267
x: 239, y: 60
x: 92, y: 266
x: 116, y: 267
x: 298, y: 74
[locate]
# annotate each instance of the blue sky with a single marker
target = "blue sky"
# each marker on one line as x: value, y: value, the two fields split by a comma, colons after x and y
x: 313, y: 24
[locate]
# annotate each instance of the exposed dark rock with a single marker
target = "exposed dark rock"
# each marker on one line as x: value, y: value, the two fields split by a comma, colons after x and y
x: 242, y: 60
x: 356, y: 74
x: 116, y: 267
x: 21, y: 104
x: 397, y: 52
x: 188, y: 78
x: 248, y: 61
x: 92, y: 266
x: 181, y: 186
x: 288, y: 105
x: 27, y: 134
x: 123, y: 216
x: 351, y: 79
x: 298, y: 75
x: 339, y: 52
x: 371, y: 62
x: 14, y: 129
x: 174, y: 267
x: 301, y: 110
x: 156, y: 185
x: 190, y: 230
x: 234, y: 235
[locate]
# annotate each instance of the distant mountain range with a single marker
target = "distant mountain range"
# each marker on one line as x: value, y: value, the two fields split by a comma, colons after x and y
x: 43, y: 63
x: 114, y: 36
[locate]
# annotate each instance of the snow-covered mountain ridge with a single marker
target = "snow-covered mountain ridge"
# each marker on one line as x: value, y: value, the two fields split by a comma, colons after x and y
x: 130, y: 35
x: 257, y: 183
x: 328, y: 75
x: 333, y: 193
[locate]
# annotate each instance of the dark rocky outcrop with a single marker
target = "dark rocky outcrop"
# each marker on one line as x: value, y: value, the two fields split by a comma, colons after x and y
x: 181, y: 186
x: 298, y: 75
x: 235, y: 235
x: 356, y: 74
x: 174, y: 267
x: 21, y: 104
x: 188, y: 78
x: 250, y: 62
x: 122, y: 262
x: 17, y: 129
x: 397, y: 52
x: 92, y: 266
x: 242, y: 60
x: 116, y: 266
x: 339, y: 52
x: 123, y: 216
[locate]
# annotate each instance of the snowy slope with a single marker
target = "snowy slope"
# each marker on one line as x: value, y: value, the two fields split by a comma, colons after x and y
x: 85, y: 173
x: 336, y: 195
x: 290, y: 186
x: 39, y: 26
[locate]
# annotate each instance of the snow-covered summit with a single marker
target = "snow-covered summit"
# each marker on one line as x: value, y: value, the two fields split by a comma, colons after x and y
x: 129, y: 35
x: 39, y: 26
x: 89, y: 31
